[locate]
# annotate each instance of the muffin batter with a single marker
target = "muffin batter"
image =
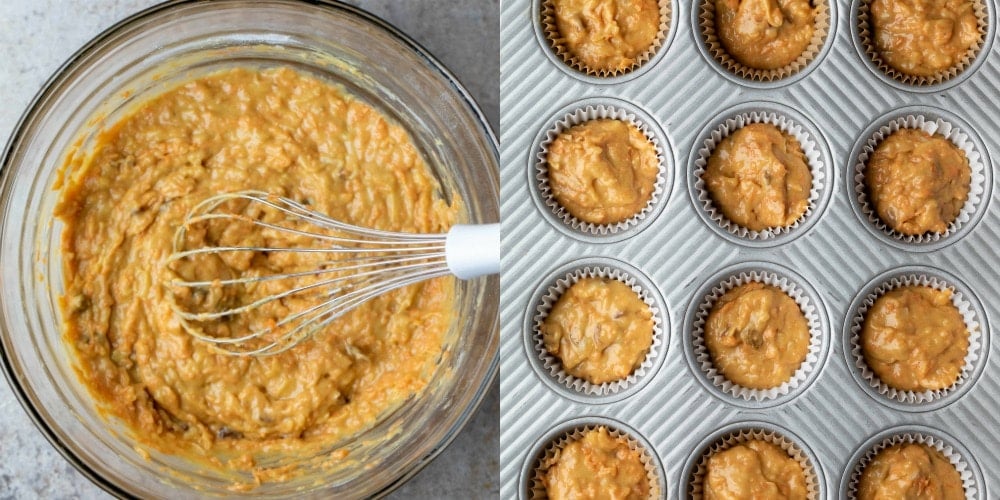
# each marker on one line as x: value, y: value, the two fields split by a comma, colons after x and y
x: 924, y: 37
x: 915, y: 339
x: 765, y: 34
x: 757, y: 336
x: 607, y: 36
x: 599, y: 329
x: 910, y: 472
x: 273, y: 130
x: 754, y: 469
x: 602, y: 171
x: 758, y: 177
x: 596, y: 466
x: 918, y: 182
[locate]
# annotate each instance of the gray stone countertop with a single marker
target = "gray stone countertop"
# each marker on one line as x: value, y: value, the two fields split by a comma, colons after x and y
x: 37, y: 36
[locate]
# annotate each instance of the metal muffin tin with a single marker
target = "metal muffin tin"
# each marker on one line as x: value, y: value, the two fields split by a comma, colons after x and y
x: 838, y: 257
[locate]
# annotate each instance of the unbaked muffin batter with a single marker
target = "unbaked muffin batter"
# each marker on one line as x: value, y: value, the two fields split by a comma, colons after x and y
x: 757, y: 336
x: 924, y: 37
x: 602, y: 171
x: 599, y: 329
x: 915, y: 339
x: 273, y: 130
x: 765, y: 34
x: 596, y: 466
x: 758, y: 177
x: 754, y: 469
x: 910, y: 472
x: 918, y: 182
x: 607, y: 35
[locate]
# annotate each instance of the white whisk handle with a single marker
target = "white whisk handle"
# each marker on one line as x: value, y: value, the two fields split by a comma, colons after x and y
x: 473, y: 250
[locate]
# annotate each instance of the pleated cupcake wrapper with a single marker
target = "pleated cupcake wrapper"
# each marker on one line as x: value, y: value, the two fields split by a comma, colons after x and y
x: 582, y: 115
x: 953, y: 456
x: 551, y: 30
x: 814, y: 159
x: 806, y: 305
x: 649, y: 461
x: 706, y: 23
x: 939, y: 126
x: 964, y: 308
x: 866, y: 37
x: 554, y: 366
x: 696, y: 486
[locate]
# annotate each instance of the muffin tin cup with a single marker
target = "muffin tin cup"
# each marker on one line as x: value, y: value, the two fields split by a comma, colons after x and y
x: 700, y: 361
x: 547, y: 34
x: 692, y: 483
x: 788, y: 121
x: 549, y: 367
x: 958, y: 455
x: 531, y: 486
x: 861, y: 34
x: 968, y: 306
x: 708, y: 43
x: 932, y: 121
x: 581, y: 112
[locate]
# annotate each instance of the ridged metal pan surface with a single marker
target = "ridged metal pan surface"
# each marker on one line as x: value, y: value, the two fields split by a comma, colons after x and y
x: 837, y: 256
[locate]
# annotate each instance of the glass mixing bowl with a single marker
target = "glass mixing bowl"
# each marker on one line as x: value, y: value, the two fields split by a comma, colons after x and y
x: 156, y: 49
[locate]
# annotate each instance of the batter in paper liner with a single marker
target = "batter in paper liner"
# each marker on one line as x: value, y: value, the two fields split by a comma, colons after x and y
x: 757, y: 336
x: 754, y: 469
x: 918, y: 182
x: 273, y: 130
x: 924, y: 37
x: 599, y: 329
x: 765, y: 34
x: 915, y: 339
x: 607, y: 35
x: 602, y: 171
x: 596, y: 465
x: 910, y: 472
x: 758, y: 177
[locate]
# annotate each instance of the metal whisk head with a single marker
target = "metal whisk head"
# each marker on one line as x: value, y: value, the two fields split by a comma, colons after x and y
x: 255, y: 274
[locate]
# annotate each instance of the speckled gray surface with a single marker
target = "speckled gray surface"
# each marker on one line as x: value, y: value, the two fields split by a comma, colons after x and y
x: 36, y: 36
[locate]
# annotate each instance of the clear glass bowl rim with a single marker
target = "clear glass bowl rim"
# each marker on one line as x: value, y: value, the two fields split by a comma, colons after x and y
x: 60, y: 75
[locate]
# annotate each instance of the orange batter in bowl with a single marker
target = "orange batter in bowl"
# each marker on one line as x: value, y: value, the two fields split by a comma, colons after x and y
x: 272, y: 130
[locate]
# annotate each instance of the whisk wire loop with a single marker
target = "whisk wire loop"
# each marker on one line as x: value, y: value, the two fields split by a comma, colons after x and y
x: 213, y: 286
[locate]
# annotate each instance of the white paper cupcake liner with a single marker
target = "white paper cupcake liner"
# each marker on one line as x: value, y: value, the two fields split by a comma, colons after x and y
x: 696, y: 482
x: 965, y: 471
x: 868, y: 47
x: 811, y: 149
x: 813, y: 357
x: 706, y: 24
x: 536, y: 489
x: 556, y: 41
x: 958, y: 137
x: 585, y: 114
x: 965, y: 308
x: 553, y: 366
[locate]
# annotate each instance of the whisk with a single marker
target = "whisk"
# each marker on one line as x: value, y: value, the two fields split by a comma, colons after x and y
x: 222, y: 289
